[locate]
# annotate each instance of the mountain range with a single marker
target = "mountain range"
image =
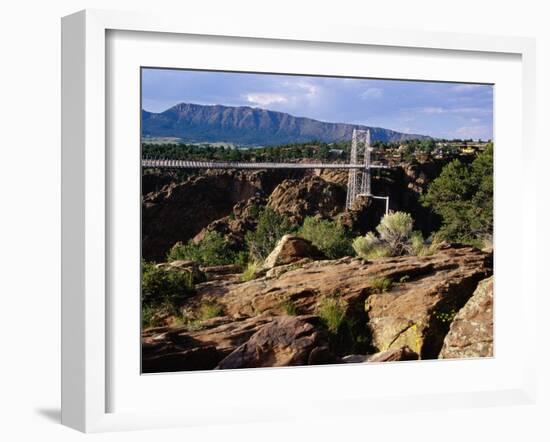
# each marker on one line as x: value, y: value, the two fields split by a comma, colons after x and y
x: 249, y: 126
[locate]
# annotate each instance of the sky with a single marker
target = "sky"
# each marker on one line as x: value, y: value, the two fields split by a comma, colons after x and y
x: 437, y: 109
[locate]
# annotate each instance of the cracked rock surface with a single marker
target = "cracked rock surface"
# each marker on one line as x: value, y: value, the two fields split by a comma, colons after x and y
x: 471, y: 332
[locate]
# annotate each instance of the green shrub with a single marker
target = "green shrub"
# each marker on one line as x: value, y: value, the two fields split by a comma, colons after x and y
x: 271, y: 227
x: 289, y: 308
x: 210, y: 310
x: 370, y: 247
x: 381, y: 284
x: 332, y: 312
x: 329, y: 237
x: 150, y: 316
x: 164, y: 287
x: 396, y: 238
x: 250, y: 272
x: 212, y: 250
x: 395, y: 231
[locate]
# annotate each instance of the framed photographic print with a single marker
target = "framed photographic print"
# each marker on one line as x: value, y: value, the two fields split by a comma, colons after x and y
x: 291, y: 223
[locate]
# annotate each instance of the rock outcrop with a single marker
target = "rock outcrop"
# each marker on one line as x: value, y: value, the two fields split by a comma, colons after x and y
x: 178, y: 349
x: 471, y: 332
x: 289, y: 249
x: 426, y: 280
x: 416, y: 313
x: 408, y: 320
x: 309, y: 196
x: 242, y: 219
x: 285, y: 341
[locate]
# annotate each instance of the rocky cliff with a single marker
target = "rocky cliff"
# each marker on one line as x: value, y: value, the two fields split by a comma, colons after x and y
x: 177, y: 211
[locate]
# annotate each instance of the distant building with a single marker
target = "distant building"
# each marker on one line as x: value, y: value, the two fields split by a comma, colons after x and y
x: 468, y: 150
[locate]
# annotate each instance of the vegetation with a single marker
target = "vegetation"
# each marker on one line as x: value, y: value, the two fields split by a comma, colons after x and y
x: 210, y: 310
x: 162, y: 292
x: 179, y: 151
x: 445, y: 316
x: 152, y: 316
x: 463, y: 196
x: 381, y: 284
x: 160, y: 287
x: 370, y: 247
x: 332, y: 312
x: 251, y: 271
x: 330, y: 237
x: 419, y: 247
x: 214, y: 249
x: 270, y: 229
x: 289, y: 308
x: 395, y: 231
x: 395, y: 238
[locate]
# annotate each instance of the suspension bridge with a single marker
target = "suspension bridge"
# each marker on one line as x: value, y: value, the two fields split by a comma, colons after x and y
x: 359, y: 173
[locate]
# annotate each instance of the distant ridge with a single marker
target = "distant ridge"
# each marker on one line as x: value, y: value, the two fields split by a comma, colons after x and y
x: 249, y: 126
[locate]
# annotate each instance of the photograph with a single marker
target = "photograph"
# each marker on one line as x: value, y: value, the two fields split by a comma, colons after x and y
x: 302, y: 220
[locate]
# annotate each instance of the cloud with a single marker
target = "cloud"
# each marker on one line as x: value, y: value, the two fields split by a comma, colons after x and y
x: 471, y: 110
x: 436, y: 110
x: 265, y: 99
x: 372, y: 92
x: 311, y: 90
x: 431, y: 110
x: 473, y: 132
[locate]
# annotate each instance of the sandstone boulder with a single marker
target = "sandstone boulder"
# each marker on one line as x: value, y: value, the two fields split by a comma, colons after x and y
x: 471, y: 332
x: 289, y: 249
x: 285, y: 341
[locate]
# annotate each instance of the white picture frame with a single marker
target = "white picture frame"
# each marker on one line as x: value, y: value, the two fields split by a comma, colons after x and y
x: 87, y: 206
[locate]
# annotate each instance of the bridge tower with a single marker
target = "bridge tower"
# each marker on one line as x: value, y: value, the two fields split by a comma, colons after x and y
x: 359, y: 137
x: 352, y: 174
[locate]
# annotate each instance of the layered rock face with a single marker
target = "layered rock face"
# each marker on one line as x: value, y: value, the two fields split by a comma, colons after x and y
x: 307, y: 197
x: 275, y: 319
x: 471, y: 332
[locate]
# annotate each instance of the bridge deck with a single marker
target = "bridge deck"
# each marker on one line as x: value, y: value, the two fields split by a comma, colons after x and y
x: 182, y: 164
